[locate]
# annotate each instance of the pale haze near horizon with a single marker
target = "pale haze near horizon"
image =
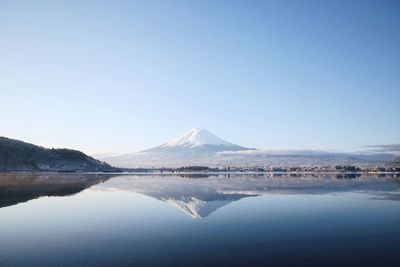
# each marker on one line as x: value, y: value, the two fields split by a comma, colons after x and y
x: 124, y: 76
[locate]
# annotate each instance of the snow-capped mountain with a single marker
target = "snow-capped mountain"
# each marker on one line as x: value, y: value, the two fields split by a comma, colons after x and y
x: 197, y: 139
x: 192, y: 148
x: 201, y: 147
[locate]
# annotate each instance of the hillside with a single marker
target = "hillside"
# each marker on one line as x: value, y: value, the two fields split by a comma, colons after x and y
x: 16, y: 155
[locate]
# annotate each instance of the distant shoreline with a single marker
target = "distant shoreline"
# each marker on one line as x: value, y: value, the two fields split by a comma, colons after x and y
x: 158, y: 172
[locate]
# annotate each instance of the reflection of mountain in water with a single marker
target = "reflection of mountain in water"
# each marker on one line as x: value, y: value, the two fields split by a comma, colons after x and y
x: 201, y: 197
x: 194, y: 196
x: 17, y: 188
x: 200, y: 205
x: 197, y: 208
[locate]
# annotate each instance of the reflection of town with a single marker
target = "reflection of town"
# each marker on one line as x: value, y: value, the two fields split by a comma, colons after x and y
x: 196, y: 194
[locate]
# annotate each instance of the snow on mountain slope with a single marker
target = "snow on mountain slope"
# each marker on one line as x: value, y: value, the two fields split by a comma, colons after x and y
x: 197, y: 137
x: 195, y: 142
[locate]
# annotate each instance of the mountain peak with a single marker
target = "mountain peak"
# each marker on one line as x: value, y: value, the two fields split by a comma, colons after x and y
x: 192, y: 148
x: 197, y: 137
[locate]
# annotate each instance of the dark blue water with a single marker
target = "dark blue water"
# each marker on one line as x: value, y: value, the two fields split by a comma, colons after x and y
x: 95, y: 220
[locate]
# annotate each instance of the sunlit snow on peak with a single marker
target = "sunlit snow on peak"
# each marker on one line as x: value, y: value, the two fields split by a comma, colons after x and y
x: 197, y: 137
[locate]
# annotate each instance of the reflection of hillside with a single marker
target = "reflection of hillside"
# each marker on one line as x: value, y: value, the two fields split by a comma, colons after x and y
x: 201, y: 197
x: 16, y: 188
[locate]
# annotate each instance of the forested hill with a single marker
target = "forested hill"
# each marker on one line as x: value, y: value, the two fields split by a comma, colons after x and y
x: 16, y: 155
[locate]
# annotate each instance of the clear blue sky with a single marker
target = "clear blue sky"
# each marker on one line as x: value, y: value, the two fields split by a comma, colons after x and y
x: 121, y: 76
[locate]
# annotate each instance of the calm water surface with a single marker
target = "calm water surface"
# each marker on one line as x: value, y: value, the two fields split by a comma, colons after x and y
x: 237, y: 220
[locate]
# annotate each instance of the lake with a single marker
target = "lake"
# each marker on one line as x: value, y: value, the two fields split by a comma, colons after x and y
x: 199, y: 220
